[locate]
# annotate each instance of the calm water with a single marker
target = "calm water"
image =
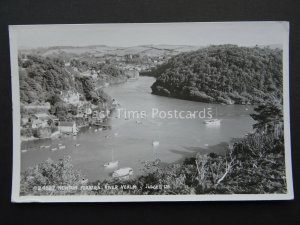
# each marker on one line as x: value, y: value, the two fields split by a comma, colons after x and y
x: 131, y: 139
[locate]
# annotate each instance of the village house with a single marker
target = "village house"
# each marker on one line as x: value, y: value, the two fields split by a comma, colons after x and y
x: 43, y: 106
x: 84, y: 108
x: 94, y: 75
x: 70, y: 97
x: 40, y: 120
x: 90, y: 73
x: 25, y: 120
x: 68, y: 127
x: 132, y: 73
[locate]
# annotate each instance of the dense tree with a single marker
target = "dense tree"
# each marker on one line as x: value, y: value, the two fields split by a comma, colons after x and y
x: 225, y: 74
x: 269, y: 118
x: 50, y: 173
x: 43, y: 79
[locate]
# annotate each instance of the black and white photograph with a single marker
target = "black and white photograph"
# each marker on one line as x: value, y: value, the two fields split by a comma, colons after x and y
x: 151, y: 112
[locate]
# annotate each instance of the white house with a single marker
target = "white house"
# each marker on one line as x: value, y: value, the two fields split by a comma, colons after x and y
x: 67, y: 127
x: 39, y: 120
x: 38, y: 123
x: 70, y: 97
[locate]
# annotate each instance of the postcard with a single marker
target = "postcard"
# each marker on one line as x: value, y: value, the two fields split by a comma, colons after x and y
x: 151, y: 112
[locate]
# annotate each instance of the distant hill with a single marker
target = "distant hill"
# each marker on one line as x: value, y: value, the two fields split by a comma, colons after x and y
x: 102, y: 50
x: 222, y: 74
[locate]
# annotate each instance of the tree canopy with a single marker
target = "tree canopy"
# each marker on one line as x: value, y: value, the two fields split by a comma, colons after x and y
x: 43, y: 79
x: 222, y: 74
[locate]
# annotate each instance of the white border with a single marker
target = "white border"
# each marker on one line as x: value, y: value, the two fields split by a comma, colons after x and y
x: 15, y: 197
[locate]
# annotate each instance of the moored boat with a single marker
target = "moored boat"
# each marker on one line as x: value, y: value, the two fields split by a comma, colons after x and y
x: 113, y: 163
x: 212, y: 122
x: 155, y: 143
x: 123, y: 172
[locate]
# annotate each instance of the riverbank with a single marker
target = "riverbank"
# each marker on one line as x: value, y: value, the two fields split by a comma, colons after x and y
x: 132, y: 140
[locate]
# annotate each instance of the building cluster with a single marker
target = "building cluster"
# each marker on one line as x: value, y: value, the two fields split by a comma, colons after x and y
x: 131, y: 64
x: 86, y: 114
x: 70, y: 97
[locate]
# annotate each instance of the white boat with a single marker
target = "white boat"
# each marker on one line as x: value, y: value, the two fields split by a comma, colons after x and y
x: 155, y: 143
x: 215, y: 121
x: 62, y: 147
x: 212, y: 122
x: 77, y: 145
x: 47, y: 146
x: 123, y: 172
x: 24, y: 150
x: 96, y: 130
x: 112, y: 163
x: 53, y: 149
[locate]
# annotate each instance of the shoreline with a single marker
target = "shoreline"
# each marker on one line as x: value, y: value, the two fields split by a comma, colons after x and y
x: 29, y: 138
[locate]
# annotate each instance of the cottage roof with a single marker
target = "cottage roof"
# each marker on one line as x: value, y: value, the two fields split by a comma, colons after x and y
x: 41, y: 114
x: 66, y: 124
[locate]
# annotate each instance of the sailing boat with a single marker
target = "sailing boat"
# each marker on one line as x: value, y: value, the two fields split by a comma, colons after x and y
x: 155, y: 143
x: 112, y: 163
x: 213, y: 121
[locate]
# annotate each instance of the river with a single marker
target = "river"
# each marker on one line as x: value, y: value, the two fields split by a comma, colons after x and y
x: 130, y: 140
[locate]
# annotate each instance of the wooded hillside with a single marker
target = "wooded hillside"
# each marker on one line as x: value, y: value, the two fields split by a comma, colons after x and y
x: 222, y: 74
x: 41, y: 79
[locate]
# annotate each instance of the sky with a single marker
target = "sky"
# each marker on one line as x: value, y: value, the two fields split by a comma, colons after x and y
x: 126, y: 35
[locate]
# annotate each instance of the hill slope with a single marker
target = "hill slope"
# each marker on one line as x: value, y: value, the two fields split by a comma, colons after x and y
x: 101, y: 50
x: 42, y: 79
x: 222, y: 74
